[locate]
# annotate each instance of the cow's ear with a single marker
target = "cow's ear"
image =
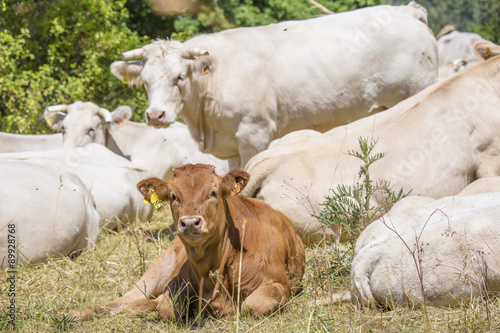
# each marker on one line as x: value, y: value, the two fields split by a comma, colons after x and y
x: 121, y: 115
x: 154, y: 190
x: 201, y: 66
x: 486, y: 49
x: 128, y: 72
x: 233, y: 183
x: 54, y: 118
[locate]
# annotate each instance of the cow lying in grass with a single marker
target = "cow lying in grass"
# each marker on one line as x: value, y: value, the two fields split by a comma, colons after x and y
x: 231, y: 253
x: 437, y: 142
x: 440, y: 253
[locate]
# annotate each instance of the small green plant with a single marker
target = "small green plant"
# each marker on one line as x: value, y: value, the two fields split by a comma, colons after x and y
x: 350, y: 207
x: 63, y: 323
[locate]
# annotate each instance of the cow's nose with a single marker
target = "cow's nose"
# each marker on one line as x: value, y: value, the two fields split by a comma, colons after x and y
x: 190, y: 223
x: 154, y: 117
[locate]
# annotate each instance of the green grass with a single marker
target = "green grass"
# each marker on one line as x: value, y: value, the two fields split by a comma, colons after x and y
x: 47, y: 292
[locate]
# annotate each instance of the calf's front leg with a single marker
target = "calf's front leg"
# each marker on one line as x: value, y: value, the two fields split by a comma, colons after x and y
x: 151, y: 284
x: 266, y: 300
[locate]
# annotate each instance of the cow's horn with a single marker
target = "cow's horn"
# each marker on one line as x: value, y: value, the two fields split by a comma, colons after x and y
x: 105, y: 114
x: 57, y: 108
x: 133, y: 54
x: 196, y: 52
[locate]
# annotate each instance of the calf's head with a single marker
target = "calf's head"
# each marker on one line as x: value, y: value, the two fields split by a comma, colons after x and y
x: 167, y: 71
x: 82, y: 123
x: 197, y: 199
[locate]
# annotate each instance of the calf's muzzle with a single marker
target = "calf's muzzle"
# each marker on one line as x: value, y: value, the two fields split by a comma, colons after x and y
x: 190, y: 224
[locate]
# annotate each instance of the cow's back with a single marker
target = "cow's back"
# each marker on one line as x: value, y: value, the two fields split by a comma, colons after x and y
x: 52, y: 212
x: 10, y: 142
x: 452, y: 238
x: 349, y: 62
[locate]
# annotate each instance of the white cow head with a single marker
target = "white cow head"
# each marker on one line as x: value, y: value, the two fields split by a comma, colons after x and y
x: 167, y: 70
x: 82, y: 123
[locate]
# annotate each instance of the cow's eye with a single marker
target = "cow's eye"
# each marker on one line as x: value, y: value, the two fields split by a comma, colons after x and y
x: 213, y: 194
x: 63, y: 130
x: 173, y: 197
x: 91, y: 131
x: 181, y: 78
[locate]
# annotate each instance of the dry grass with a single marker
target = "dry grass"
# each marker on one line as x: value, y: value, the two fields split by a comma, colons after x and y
x: 44, y: 294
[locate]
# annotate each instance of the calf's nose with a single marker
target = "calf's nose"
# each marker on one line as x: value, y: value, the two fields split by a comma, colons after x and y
x: 190, y: 223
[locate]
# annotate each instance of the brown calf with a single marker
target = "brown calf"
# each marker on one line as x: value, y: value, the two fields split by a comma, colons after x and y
x: 230, y: 253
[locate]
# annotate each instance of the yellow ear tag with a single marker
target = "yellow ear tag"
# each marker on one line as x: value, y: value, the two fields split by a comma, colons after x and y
x: 236, y: 190
x: 50, y: 121
x: 126, y: 78
x: 488, y: 52
x: 205, y: 71
x: 157, y: 202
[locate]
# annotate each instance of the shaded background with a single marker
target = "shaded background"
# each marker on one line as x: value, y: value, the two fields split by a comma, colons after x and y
x: 59, y: 51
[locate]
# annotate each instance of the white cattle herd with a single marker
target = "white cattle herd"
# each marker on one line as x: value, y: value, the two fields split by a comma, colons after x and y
x: 239, y: 89
x: 314, y: 87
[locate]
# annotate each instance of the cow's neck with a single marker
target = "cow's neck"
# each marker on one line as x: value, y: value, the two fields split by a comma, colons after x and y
x: 195, y: 113
x: 212, y: 256
x: 208, y: 257
x: 119, y: 138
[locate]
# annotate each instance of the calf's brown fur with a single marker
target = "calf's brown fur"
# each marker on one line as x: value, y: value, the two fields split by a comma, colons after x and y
x: 216, y: 230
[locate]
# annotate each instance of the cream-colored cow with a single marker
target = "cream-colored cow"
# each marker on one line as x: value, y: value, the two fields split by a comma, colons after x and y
x: 451, y: 243
x: 437, y: 142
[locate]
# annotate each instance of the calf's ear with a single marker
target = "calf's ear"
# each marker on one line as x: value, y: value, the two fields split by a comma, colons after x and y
x: 159, y: 187
x: 121, y: 115
x: 128, y: 72
x: 233, y: 183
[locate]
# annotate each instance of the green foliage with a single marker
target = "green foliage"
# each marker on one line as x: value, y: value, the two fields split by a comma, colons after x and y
x: 217, y: 15
x: 350, y: 206
x: 480, y: 16
x: 57, y: 52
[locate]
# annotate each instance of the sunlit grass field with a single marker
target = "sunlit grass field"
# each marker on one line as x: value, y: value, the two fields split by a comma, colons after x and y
x: 45, y: 294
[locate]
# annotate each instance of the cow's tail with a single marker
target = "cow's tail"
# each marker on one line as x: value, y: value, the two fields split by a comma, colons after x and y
x: 417, y: 10
x: 254, y: 184
x: 361, y: 271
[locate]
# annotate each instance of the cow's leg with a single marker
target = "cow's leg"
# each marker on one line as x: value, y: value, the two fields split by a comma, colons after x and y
x: 165, y: 307
x: 266, y: 300
x: 252, y: 139
x: 152, y: 283
x: 234, y: 163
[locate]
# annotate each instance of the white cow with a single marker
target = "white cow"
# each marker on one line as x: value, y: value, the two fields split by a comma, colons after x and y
x: 10, y: 142
x: 44, y: 212
x: 451, y: 243
x: 412, y: 204
x: 110, y: 178
x: 156, y: 150
x: 437, y: 142
x: 457, y: 45
x: 240, y: 89
x: 456, y: 52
